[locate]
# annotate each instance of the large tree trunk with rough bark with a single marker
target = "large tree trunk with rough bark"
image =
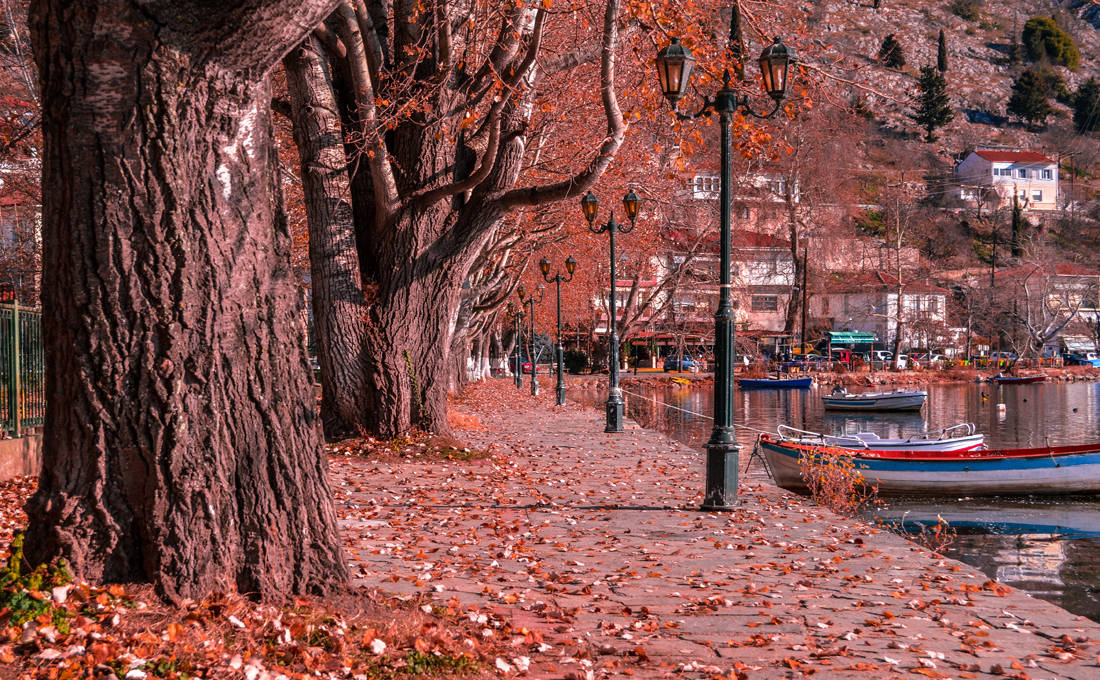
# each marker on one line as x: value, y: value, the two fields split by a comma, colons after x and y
x: 337, y: 299
x: 181, y: 443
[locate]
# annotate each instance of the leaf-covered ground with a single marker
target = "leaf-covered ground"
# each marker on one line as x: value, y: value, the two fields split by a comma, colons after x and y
x: 533, y: 544
x: 590, y: 544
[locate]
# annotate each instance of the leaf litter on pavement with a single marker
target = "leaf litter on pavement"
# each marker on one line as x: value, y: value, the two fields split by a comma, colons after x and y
x: 556, y: 550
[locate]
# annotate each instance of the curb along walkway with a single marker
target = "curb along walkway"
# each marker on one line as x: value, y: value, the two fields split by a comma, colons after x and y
x: 584, y: 547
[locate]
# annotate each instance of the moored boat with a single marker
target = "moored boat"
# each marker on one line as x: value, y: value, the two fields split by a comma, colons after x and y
x: 774, y: 383
x: 899, y: 400
x: 961, y: 437
x: 1018, y: 379
x: 1054, y: 470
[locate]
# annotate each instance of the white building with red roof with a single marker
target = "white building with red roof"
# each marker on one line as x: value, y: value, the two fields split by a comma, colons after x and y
x: 992, y: 177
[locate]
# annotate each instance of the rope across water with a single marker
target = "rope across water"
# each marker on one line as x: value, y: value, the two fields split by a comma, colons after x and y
x: 694, y: 413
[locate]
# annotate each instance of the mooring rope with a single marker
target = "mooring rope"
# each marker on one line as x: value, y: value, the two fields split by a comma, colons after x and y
x: 689, y: 411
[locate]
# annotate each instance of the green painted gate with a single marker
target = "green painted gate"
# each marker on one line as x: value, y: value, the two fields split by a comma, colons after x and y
x: 22, y: 369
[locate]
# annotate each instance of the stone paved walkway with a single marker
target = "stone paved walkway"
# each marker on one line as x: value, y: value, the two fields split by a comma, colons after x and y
x: 586, y: 549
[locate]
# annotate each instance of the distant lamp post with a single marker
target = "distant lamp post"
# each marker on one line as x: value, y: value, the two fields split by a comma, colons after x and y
x: 570, y: 267
x: 516, y: 315
x: 531, y: 302
x: 590, y: 206
x: 674, y: 64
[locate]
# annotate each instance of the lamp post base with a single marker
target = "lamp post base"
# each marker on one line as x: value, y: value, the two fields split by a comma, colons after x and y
x: 561, y: 395
x: 614, y: 413
x: 534, y: 385
x: 721, y: 490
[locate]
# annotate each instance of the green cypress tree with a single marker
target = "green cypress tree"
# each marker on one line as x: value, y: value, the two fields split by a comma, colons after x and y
x: 931, y: 105
x: 890, y: 53
x: 1029, y: 98
x: 1086, y: 107
x: 941, y: 54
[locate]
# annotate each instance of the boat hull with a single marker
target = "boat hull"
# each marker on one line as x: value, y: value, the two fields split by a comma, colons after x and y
x: 1062, y: 470
x: 774, y: 384
x: 1018, y: 380
x: 907, y: 401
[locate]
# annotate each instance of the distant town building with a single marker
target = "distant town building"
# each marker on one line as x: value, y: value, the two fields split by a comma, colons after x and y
x: 992, y: 177
x: 868, y: 302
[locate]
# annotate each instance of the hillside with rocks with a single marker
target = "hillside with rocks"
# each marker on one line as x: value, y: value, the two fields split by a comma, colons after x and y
x: 980, y: 70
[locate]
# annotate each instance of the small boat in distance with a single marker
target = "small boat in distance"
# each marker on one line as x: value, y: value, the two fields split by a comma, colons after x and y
x: 1017, y: 379
x: 1049, y: 470
x: 774, y: 383
x: 898, y: 400
x: 961, y: 437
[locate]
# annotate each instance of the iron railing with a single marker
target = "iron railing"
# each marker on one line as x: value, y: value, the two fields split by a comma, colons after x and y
x: 22, y: 370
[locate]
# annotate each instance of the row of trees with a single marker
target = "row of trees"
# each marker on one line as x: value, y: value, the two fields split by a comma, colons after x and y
x: 181, y: 443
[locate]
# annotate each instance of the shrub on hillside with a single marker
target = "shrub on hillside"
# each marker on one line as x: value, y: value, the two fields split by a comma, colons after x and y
x: 1086, y: 106
x: 1045, y: 39
x: 971, y: 10
x: 890, y: 53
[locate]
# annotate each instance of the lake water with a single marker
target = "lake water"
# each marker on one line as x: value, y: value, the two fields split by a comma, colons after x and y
x: 1049, y: 547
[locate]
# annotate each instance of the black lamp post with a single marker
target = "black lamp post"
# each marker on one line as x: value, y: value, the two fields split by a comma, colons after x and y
x: 516, y: 315
x: 674, y: 65
x: 570, y: 267
x: 531, y: 302
x: 590, y: 205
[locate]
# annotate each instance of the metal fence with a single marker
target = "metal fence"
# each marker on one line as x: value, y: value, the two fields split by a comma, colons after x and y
x: 22, y: 369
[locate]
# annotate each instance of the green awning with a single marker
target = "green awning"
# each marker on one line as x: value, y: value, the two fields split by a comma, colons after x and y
x: 849, y: 337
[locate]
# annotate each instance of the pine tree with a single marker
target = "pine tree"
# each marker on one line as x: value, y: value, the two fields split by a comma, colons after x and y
x: 890, y: 53
x: 941, y: 54
x: 1086, y: 107
x: 931, y: 105
x: 1029, y: 98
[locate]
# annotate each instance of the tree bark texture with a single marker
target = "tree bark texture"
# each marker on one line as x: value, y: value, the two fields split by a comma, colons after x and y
x: 337, y: 299
x: 434, y: 157
x: 181, y: 442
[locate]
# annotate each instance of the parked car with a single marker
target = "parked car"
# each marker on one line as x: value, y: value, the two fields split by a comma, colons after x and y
x: 684, y: 363
x: 525, y: 366
x: 1082, y: 359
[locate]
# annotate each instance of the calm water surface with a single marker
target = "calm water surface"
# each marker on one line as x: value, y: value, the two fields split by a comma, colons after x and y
x: 1049, y: 547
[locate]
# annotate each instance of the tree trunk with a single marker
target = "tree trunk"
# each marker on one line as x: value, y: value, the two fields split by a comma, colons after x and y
x: 181, y: 442
x: 409, y: 350
x: 337, y: 299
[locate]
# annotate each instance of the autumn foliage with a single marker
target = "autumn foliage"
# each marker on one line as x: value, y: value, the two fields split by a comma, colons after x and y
x: 835, y: 482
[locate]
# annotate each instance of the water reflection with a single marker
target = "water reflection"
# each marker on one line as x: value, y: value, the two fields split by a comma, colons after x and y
x: 1033, y: 415
x: 1050, y: 548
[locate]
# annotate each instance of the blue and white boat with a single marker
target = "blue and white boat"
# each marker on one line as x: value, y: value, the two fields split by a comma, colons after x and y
x: 1048, y: 470
x: 899, y: 400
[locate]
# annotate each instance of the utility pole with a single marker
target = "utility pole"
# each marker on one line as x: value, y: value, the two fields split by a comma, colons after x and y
x: 992, y: 283
x: 802, y: 334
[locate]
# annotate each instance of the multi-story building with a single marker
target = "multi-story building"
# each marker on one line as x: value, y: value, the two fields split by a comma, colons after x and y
x: 994, y: 177
x: 868, y: 302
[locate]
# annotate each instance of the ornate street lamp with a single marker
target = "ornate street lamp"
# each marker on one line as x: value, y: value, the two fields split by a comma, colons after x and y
x: 516, y: 315
x: 674, y: 64
x: 531, y: 302
x: 570, y: 267
x: 590, y: 206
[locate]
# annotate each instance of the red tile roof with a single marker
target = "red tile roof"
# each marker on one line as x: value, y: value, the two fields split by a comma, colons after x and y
x: 863, y: 282
x: 996, y: 156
